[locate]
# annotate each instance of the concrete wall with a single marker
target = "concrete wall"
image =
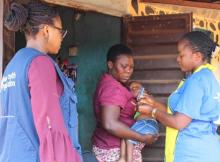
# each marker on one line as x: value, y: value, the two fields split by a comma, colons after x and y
x: 93, y: 33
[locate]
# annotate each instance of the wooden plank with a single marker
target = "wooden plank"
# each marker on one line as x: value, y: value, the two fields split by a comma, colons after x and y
x: 160, y: 89
x: 154, y: 154
x: 158, y: 74
x: 160, y: 25
x: 170, y: 17
x: 168, y: 81
x: 111, y: 7
x: 154, y: 57
x: 140, y: 39
x: 161, y: 99
x: 156, y: 64
x: 155, y: 49
x: 1, y: 37
x: 209, y: 1
x: 185, y: 3
x: 155, y: 31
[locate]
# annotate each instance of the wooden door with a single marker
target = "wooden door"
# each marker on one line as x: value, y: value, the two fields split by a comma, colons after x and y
x: 153, y: 40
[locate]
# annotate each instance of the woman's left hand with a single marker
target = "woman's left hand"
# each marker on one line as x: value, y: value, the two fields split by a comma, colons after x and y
x: 150, y: 139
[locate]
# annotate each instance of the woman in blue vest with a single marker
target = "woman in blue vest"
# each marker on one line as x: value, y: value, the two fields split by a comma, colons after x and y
x: 195, y: 104
x: 38, y: 117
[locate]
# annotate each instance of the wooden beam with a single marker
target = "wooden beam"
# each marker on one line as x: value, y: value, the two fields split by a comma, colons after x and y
x: 170, y: 81
x: 117, y: 8
x: 1, y: 37
x: 185, y: 3
x: 209, y: 1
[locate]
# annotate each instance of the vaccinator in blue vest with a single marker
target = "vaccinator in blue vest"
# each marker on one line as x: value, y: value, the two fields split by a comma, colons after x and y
x: 195, y: 104
x: 38, y: 116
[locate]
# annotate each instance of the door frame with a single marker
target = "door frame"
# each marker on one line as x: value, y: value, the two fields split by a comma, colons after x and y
x: 1, y: 37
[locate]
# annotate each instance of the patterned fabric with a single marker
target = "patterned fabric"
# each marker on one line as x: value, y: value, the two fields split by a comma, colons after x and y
x: 106, y: 155
x: 113, y: 154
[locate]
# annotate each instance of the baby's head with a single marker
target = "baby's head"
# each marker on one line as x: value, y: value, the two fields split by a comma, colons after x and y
x: 135, y: 88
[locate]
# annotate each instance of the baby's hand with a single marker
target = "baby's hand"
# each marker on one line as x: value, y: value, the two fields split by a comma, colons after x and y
x: 144, y: 108
x: 147, y: 99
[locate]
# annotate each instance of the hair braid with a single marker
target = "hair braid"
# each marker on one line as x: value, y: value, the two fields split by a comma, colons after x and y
x: 16, y: 17
x: 28, y: 18
x: 200, y: 42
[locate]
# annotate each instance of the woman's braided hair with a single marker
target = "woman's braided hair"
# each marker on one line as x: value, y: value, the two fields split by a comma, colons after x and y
x: 27, y: 18
x: 200, y: 42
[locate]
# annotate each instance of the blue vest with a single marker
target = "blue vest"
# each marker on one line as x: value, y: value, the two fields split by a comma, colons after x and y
x: 19, y: 141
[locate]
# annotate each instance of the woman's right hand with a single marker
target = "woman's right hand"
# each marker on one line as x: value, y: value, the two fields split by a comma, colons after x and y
x: 144, y: 108
x: 149, y: 139
x: 148, y: 99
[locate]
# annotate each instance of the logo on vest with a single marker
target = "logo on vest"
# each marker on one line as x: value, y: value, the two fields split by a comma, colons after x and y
x: 8, y: 81
x: 217, y: 97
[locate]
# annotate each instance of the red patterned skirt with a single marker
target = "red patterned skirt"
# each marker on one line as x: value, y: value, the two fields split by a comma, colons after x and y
x: 113, y: 154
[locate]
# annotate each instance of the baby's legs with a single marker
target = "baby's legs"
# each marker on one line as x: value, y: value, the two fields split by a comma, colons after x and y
x: 129, y: 151
x: 126, y: 154
x: 122, y: 151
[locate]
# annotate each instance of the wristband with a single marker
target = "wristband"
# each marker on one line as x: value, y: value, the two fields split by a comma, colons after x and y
x: 153, y: 113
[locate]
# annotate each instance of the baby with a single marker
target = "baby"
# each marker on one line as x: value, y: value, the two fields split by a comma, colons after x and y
x: 144, y: 124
